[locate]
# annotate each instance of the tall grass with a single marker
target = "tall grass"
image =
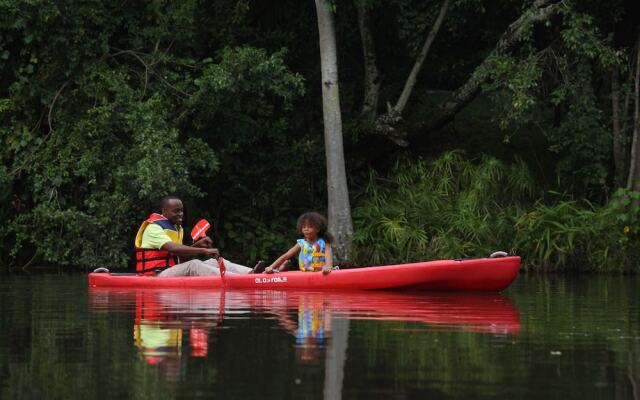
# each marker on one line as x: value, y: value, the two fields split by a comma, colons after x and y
x: 454, y: 208
x: 448, y: 208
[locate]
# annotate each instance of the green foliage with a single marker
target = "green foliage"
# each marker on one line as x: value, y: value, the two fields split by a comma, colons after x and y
x: 555, y: 90
x: 514, y: 84
x: 81, y: 201
x: 552, y: 235
x: 254, y: 239
x: 626, y: 203
x: 248, y: 82
x: 580, y: 236
x: 453, y: 208
x: 104, y: 108
x: 96, y: 133
x: 450, y: 208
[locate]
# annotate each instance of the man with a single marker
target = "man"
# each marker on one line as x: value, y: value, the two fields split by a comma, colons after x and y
x: 159, y: 247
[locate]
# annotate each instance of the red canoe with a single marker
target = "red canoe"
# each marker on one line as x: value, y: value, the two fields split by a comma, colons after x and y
x: 481, y: 274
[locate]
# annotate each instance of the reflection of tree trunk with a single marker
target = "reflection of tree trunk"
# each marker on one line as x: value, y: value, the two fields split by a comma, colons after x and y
x: 618, y: 135
x: 632, y: 379
x: 413, y: 76
x: 336, y: 357
x: 541, y: 10
x: 371, y: 72
x: 340, y: 222
x: 633, y: 179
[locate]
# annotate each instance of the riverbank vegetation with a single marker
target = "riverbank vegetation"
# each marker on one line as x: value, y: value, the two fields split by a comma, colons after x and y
x: 455, y: 208
x: 468, y: 126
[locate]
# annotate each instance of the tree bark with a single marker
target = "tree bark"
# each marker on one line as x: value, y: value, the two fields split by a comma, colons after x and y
x: 541, y: 10
x: 340, y: 223
x: 413, y: 76
x: 371, y: 72
x: 633, y: 179
x: 619, y: 165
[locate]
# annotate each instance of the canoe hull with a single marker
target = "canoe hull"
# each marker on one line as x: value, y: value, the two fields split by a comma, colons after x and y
x: 482, y: 274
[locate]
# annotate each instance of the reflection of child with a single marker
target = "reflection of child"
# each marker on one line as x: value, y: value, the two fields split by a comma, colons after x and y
x: 313, y: 329
x: 310, y: 324
x: 314, y: 249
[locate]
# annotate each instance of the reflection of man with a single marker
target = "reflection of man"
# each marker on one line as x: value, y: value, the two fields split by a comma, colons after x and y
x: 199, y: 342
x: 156, y: 342
x: 159, y: 246
x: 159, y: 346
x: 159, y: 338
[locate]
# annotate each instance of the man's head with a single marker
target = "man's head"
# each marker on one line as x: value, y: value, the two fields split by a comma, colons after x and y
x: 172, y: 209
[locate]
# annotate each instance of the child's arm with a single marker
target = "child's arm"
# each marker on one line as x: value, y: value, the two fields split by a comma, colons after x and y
x: 328, y: 259
x: 277, y: 263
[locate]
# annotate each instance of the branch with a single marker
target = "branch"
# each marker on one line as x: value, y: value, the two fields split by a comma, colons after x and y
x: 149, y: 68
x: 33, y: 152
x: 618, y: 157
x: 633, y: 183
x: 371, y: 72
x: 413, y: 76
x: 540, y: 11
x: 53, y: 103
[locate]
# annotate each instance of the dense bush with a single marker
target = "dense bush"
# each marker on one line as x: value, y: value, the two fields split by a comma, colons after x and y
x: 453, y: 208
x: 104, y: 109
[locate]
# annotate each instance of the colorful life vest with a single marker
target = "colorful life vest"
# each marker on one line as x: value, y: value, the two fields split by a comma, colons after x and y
x: 149, y: 261
x: 312, y: 256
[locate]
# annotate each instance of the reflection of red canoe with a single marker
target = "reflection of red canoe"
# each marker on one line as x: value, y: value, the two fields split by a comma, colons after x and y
x: 482, y: 274
x: 490, y: 313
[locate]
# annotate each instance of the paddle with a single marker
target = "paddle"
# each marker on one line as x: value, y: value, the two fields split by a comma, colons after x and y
x: 198, y: 232
x: 200, y: 229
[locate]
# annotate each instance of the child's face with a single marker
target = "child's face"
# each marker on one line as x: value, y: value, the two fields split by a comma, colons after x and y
x: 310, y: 232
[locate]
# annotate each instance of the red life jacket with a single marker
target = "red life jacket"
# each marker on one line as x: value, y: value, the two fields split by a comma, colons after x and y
x: 151, y: 261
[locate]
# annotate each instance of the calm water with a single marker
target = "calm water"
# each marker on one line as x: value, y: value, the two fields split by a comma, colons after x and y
x: 543, y: 338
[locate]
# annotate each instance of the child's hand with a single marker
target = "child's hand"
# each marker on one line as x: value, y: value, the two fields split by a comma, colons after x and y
x: 268, y: 270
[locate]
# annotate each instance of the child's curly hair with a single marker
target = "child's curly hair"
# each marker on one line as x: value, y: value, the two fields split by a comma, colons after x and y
x: 319, y: 221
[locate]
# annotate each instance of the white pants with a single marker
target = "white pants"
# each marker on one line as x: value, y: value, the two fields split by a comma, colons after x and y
x: 203, y: 268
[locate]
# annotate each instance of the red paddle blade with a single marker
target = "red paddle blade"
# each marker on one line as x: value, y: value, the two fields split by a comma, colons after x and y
x: 200, y: 229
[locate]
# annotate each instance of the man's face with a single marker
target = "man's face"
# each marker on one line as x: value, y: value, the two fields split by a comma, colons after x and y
x: 174, y: 211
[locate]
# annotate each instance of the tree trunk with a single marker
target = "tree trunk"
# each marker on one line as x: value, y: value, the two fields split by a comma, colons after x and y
x: 633, y: 179
x: 541, y: 10
x: 340, y: 223
x: 413, y: 76
x: 371, y: 72
x: 619, y: 165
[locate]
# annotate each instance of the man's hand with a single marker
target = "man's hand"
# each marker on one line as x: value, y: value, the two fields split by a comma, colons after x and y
x: 268, y: 270
x: 203, y: 242
x: 213, y: 253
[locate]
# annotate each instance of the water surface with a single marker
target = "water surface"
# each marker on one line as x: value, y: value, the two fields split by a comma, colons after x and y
x: 543, y: 338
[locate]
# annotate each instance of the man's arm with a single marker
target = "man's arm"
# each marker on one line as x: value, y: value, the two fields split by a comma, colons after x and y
x: 155, y: 238
x: 182, y: 250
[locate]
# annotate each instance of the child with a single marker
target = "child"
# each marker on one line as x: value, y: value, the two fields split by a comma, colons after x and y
x: 314, y: 249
